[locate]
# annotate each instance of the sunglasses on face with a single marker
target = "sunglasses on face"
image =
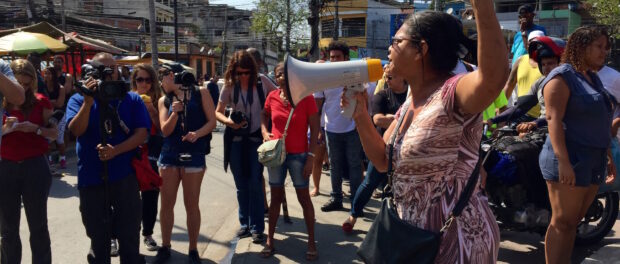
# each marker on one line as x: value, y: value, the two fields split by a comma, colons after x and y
x: 147, y: 80
x: 246, y: 73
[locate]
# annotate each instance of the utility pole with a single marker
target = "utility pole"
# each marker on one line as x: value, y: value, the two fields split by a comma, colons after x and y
x: 32, y: 12
x: 153, y: 31
x: 313, y: 21
x: 336, y: 23
x: 64, y: 23
x: 176, y: 34
x: 223, y: 57
x: 288, y: 26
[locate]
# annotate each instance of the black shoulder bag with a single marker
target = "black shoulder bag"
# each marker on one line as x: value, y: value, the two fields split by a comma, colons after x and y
x: 393, y: 240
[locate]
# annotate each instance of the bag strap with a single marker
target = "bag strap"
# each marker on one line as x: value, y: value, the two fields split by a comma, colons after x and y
x: 390, y: 171
x: 469, y: 187
x: 287, y: 122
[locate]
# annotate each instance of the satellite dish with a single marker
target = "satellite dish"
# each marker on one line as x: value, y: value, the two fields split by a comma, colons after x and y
x: 202, y: 49
x: 450, y: 11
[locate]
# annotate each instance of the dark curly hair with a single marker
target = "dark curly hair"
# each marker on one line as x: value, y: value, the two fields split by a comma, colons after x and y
x: 578, y: 42
x: 444, y: 35
x: 339, y: 45
x: 242, y: 59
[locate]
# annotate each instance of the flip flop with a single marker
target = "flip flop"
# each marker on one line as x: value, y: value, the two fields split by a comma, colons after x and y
x: 315, y: 194
x: 311, y: 255
x: 267, y: 252
x: 347, y: 227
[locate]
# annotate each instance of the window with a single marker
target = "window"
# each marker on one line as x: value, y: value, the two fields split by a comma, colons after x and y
x: 353, y: 27
x: 327, y: 28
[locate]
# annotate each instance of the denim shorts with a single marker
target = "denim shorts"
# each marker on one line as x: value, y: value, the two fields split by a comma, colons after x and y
x: 294, y: 164
x: 589, y: 163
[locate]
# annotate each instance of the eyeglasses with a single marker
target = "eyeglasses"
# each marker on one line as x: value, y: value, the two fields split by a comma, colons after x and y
x: 147, y: 80
x: 246, y: 73
x: 397, y: 40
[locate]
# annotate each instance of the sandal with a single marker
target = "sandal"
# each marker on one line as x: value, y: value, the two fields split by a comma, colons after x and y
x: 311, y: 255
x: 315, y: 194
x: 267, y: 252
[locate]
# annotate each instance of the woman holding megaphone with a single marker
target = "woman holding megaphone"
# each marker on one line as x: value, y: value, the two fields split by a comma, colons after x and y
x: 436, y: 148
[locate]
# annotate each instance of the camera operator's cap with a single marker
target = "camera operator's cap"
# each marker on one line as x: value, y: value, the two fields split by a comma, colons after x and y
x: 173, y: 67
x: 527, y: 8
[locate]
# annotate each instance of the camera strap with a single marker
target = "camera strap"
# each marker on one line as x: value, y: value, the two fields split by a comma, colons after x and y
x: 113, y: 119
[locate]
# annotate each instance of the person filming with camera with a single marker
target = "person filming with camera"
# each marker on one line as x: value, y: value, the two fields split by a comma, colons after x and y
x: 187, y: 117
x: 105, y: 112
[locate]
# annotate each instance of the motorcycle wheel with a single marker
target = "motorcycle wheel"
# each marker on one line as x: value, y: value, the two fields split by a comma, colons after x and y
x: 599, y: 219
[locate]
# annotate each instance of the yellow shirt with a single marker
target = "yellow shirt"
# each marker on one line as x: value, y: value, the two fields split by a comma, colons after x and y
x: 526, y: 76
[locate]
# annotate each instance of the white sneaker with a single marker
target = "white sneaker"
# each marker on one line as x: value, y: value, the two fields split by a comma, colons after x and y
x: 114, y: 248
x: 150, y: 243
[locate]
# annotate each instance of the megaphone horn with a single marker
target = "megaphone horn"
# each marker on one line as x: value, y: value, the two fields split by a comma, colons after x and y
x: 304, y: 78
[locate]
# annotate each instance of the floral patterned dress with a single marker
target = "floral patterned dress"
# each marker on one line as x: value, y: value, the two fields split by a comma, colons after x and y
x: 433, y: 161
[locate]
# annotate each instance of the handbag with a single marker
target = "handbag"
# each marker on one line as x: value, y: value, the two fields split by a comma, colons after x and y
x: 272, y: 153
x: 148, y: 179
x: 393, y: 240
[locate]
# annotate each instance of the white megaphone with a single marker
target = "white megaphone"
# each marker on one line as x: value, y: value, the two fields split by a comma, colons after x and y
x: 304, y: 78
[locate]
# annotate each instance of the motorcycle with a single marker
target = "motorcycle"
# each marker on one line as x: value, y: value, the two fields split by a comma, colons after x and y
x: 517, y: 192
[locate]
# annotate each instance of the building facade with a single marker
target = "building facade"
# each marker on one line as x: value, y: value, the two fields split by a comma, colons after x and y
x: 363, y: 24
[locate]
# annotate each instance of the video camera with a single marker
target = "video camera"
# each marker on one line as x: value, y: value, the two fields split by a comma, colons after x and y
x: 106, y: 90
x: 185, y: 79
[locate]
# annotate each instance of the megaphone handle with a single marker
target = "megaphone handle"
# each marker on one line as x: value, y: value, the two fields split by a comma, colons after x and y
x: 348, y: 110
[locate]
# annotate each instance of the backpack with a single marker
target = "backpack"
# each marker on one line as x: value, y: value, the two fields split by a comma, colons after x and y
x: 195, y: 92
x: 259, y: 89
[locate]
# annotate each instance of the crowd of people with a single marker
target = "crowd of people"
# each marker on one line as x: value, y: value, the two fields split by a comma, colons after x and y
x: 443, y: 87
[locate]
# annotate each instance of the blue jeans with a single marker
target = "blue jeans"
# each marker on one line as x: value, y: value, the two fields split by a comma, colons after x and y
x: 372, y: 180
x: 294, y: 164
x: 247, y: 172
x: 344, y: 151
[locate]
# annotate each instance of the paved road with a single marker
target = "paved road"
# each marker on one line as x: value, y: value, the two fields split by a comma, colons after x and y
x: 219, y: 223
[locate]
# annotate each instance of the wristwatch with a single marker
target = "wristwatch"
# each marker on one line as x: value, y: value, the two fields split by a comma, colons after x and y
x: 39, y: 131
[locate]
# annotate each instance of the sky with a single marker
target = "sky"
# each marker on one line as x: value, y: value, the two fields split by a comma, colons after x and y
x: 241, y: 4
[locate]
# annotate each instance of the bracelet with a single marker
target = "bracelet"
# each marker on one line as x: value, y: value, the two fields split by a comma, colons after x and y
x: 311, y: 154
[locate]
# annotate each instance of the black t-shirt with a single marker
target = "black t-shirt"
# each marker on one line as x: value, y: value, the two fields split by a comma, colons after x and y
x: 214, y: 90
x: 387, y: 102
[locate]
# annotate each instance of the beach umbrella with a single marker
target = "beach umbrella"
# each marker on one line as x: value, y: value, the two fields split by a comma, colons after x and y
x: 23, y: 43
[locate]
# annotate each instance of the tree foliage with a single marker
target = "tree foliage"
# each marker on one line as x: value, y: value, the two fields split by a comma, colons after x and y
x: 270, y: 19
x: 606, y: 12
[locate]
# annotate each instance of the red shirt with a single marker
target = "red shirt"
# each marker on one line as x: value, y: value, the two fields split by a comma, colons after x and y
x: 297, y: 135
x: 18, y: 146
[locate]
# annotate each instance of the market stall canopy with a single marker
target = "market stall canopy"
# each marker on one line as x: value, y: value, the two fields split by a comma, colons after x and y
x: 71, y: 39
x: 133, y: 60
x: 92, y: 44
x: 23, y: 43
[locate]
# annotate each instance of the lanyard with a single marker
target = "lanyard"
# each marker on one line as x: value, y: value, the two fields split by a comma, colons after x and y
x: 244, y: 100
